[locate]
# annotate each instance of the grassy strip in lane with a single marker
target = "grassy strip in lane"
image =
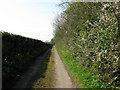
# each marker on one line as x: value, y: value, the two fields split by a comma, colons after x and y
x: 46, y: 81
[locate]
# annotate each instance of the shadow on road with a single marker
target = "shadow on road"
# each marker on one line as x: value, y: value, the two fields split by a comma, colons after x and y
x: 42, y: 69
x: 36, y: 70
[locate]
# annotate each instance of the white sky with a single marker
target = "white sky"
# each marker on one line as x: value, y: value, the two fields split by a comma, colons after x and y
x: 30, y: 18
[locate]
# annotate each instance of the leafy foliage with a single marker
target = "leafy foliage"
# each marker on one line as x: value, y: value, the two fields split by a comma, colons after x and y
x: 89, y: 33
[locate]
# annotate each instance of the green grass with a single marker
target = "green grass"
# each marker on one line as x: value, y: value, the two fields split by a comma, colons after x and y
x: 46, y: 74
x: 82, y: 76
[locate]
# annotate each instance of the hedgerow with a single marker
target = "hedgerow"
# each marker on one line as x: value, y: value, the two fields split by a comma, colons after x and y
x: 90, y: 34
x: 17, y: 51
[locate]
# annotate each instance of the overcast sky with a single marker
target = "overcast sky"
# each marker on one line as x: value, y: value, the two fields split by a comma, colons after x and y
x: 30, y: 18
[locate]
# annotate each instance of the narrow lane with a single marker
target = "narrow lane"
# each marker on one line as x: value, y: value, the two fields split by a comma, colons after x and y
x: 26, y: 80
x: 62, y: 77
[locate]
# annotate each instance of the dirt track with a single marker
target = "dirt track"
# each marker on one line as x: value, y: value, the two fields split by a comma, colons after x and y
x: 63, y: 79
x: 26, y: 79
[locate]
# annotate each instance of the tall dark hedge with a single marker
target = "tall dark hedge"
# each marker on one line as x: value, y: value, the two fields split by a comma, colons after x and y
x: 17, y: 51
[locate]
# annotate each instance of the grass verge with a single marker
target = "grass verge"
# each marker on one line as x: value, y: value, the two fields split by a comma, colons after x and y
x: 82, y: 76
